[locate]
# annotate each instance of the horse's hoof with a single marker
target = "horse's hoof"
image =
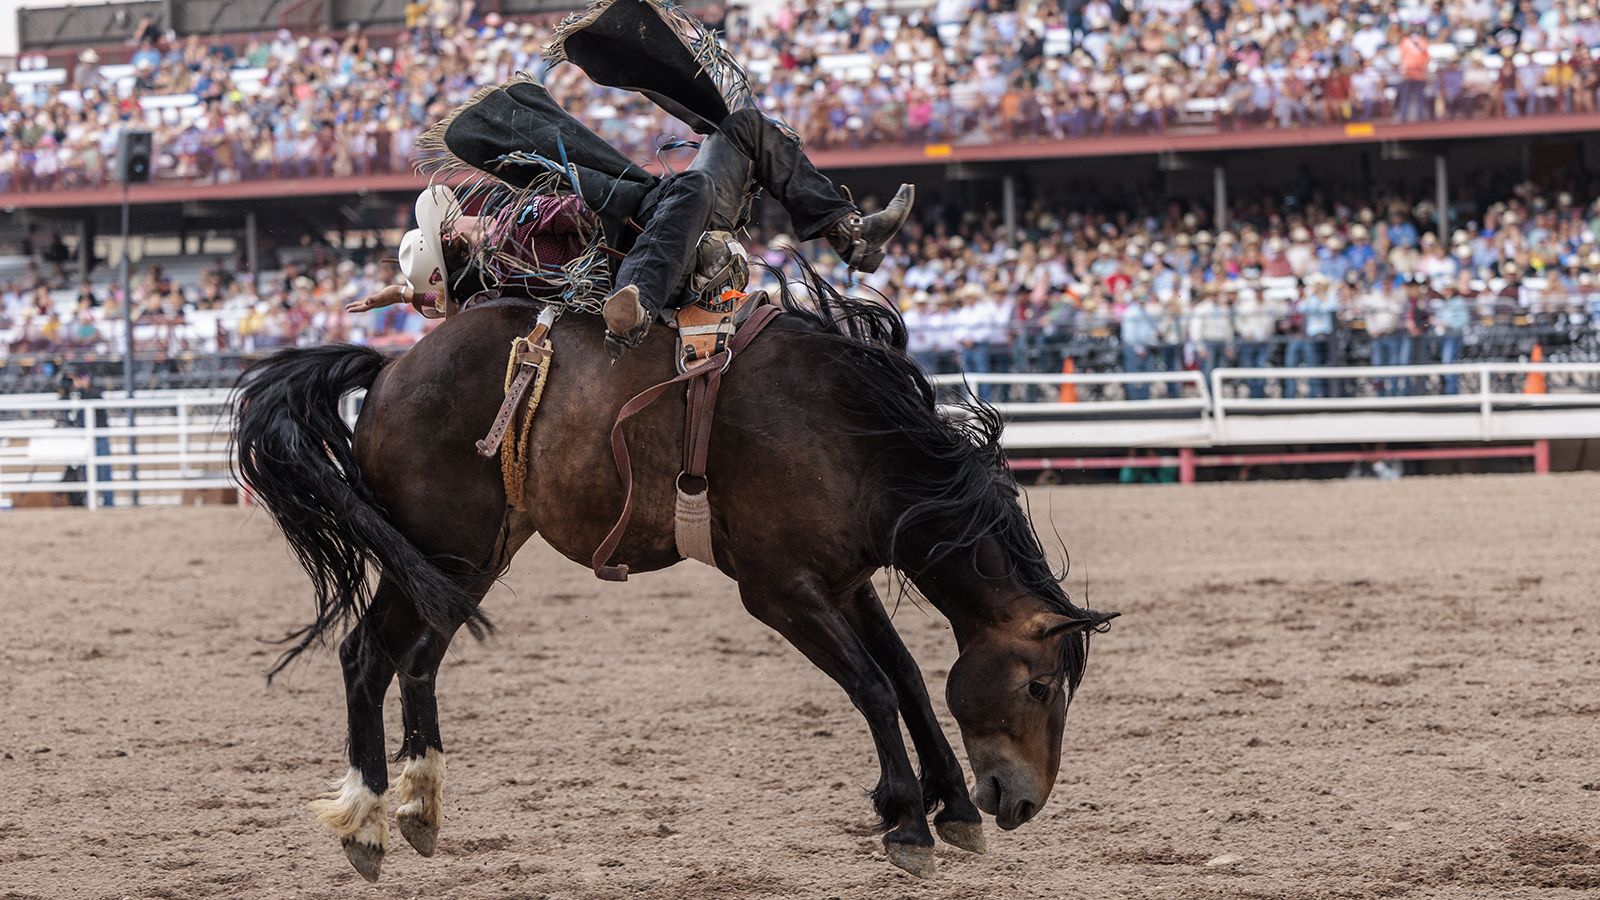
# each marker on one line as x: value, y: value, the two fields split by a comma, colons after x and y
x: 367, y: 859
x: 966, y: 835
x: 421, y: 837
x: 916, y: 860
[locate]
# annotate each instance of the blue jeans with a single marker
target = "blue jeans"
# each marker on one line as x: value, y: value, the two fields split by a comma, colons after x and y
x: 1216, y: 355
x: 1413, y: 97
x: 928, y: 360
x: 986, y: 358
x: 1137, y: 359
x: 1255, y: 355
x: 1449, y: 352
x: 1306, y: 352
x: 102, y: 474
x: 1392, y: 349
x: 1172, y: 360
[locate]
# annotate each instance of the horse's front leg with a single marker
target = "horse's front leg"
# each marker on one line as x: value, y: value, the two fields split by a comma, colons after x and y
x: 356, y: 810
x: 419, y: 792
x: 801, y: 609
x: 943, y: 782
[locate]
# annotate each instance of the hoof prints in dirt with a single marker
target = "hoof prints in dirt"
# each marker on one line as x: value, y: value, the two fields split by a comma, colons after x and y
x: 1545, y: 860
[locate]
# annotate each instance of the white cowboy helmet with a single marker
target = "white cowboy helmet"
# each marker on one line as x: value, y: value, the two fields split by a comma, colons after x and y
x: 422, y: 249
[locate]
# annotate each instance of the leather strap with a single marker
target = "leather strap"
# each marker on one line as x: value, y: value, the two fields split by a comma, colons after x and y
x: 527, y: 368
x: 703, y: 396
x: 712, y: 369
x: 487, y: 446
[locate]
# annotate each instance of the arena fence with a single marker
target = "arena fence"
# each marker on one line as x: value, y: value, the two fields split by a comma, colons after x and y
x: 161, y: 448
x: 171, y: 447
x: 1498, y: 410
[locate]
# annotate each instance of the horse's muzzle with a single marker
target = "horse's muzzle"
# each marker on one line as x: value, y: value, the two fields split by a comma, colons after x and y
x: 1010, y: 799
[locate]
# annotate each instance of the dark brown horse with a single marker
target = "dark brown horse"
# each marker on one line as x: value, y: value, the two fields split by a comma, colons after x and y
x: 828, y: 462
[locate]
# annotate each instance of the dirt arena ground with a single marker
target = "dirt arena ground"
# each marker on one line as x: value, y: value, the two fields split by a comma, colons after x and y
x: 1350, y: 689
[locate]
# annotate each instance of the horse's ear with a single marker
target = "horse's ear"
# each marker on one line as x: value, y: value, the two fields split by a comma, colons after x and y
x: 1048, y: 625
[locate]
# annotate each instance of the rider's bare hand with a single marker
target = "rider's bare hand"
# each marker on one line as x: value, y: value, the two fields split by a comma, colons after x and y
x: 388, y: 296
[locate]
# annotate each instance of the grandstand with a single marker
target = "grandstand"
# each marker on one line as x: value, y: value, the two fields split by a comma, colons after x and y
x: 1155, y: 186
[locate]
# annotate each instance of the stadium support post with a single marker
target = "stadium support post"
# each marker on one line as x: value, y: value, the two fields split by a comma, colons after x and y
x: 250, y: 251
x: 1008, y: 200
x: 1219, y: 191
x: 127, y: 300
x: 1441, y: 196
x: 127, y: 332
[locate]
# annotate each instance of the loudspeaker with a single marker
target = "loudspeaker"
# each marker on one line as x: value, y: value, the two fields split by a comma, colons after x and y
x: 133, y: 156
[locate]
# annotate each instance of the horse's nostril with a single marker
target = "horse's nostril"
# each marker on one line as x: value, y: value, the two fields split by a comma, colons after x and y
x: 1025, y: 811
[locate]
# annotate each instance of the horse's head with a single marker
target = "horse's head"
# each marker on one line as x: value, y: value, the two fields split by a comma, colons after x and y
x: 1008, y: 692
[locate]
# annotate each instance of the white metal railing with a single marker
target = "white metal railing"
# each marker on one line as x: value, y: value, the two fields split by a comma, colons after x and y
x: 1481, y: 413
x: 181, y: 440
x: 155, y: 447
x: 1483, y: 405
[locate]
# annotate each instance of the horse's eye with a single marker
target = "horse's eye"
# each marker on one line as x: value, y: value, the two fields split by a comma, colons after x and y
x: 1039, y: 690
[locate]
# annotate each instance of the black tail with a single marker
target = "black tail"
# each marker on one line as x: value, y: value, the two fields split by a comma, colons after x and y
x: 293, y: 452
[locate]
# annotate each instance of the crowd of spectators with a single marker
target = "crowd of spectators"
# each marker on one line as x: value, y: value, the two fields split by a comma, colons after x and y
x: 841, y: 73
x: 1323, y: 281
x: 216, y: 309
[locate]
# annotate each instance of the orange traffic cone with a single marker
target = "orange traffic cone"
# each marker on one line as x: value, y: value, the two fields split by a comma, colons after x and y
x: 1535, y: 382
x: 1069, y: 391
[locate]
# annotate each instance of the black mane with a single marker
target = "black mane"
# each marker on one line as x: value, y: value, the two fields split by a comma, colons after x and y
x: 941, y: 470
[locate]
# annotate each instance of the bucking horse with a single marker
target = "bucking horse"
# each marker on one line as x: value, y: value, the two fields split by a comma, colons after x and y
x: 829, y: 460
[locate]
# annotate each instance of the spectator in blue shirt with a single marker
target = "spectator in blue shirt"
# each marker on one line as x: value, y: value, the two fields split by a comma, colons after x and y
x: 1360, y: 251
x: 1450, y: 320
x: 1400, y: 231
x: 1139, y: 338
x: 1313, y: 313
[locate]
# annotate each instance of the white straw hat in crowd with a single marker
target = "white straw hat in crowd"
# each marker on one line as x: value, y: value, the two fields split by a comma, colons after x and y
x: 89, y: 56
x: 1325, y: 229
x: 1299, y: 234
x: 1358, y: 232
x: 1462, y: 251
x: 421, y: 249
x: 1460, y: 236
x: 1204, y: 237
x: 1225, y: 238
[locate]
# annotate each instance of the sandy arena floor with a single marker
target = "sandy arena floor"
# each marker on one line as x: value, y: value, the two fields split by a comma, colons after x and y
x: 1348, y: 689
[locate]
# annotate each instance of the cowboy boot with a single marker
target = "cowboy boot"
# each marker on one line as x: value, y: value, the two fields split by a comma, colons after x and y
x: 627, y: 321
x: 859, y: 239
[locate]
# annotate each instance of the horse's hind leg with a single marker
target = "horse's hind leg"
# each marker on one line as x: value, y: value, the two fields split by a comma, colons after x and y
x: 419, y: 792
x: 356, y: 811
x: 958, y: 822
